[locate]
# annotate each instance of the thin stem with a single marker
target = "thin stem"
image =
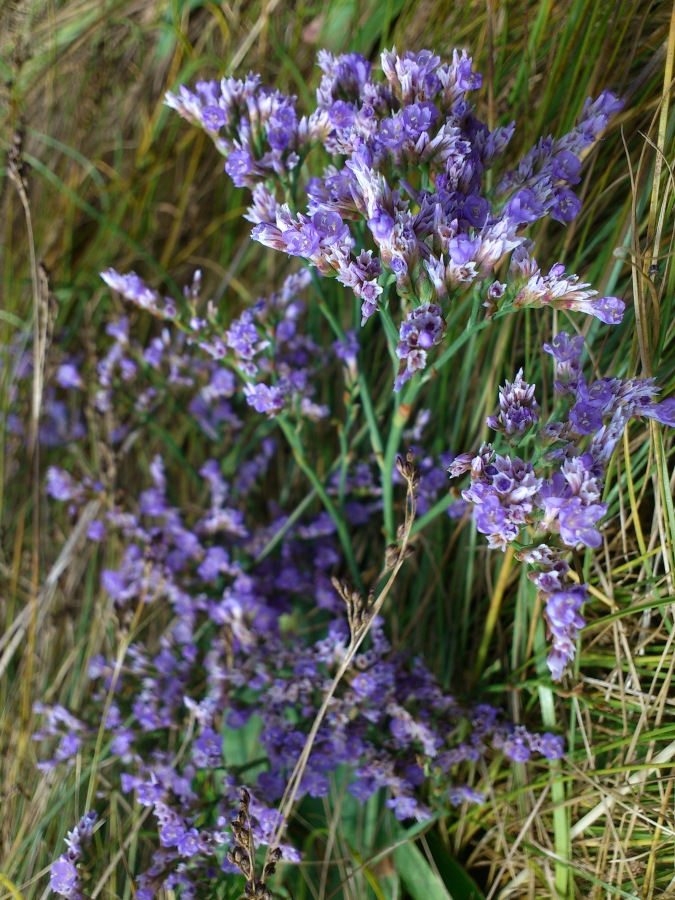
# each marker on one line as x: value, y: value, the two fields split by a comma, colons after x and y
x: 402, y: 414
x: 364, y: 391
x: 330, y: 507
x: 399, y: 421
x: 288, y: 798
x: 493, y: 611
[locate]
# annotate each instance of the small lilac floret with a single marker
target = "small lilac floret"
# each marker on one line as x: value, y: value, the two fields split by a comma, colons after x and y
x: 63, y: 877
x: 551, y: 746
x: 68, y: 377
x: 564, y: 621
x: 578, y: 522
x: 518, y: 409
x: 304, y: 242
x: 609, y: 310
x: 567, y: 207
x: 239, y: 167
x: 565, y: 348
x: 213, y: 117
x: 422, y: 329
x: 663, y: 412
x: 264, y: 399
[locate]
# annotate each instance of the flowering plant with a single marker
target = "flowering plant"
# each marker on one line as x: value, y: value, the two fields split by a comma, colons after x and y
x: 403, y: 216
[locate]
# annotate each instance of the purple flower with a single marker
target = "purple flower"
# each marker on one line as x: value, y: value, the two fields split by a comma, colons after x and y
x: 517, y: 408
x: 578, y: 522
x: 523, y: 207
x: 341, y: 114
x: 330, y: 227
x: 135, y: 290
x: 564, y: 621
x: 565, y: 166
x: 551, y: 746
x: 61, y: 485
x: 585, y: 417
x: 213, y: 117
x: 405, y: 808
x: 207, y: 750
x: 381, y: 225
x: 190, y: 843
x: 462, y: 249
x: 303, y: 242
x: 68, y: 377
x: 264, y: 399
x: 96, y: 530
x: 609, y: 310
x: 419, y: 117
x: 566, y: 207
x: 502, y: 492
x: 663, y: 412
x: 466, y: 79
x: 564, y: 348
x: 422, y: 329
x: 476, y: 210
x: 348, y: 349
x: 63, y: 877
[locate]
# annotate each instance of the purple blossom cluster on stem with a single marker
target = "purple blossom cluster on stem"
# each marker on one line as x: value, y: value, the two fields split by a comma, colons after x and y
x: 403, y: 200
x: 559, y: 494
x: 227, y: 662
x: 265, y: 346
x: 65, y: 875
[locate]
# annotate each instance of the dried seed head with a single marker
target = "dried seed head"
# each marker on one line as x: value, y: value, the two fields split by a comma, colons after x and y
x: 407, y: 469
x: 391, y: 555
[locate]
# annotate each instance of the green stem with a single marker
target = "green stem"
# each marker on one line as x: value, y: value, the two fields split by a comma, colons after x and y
x: 399, y: 421
x: 340, y: 524
x: 439, y: 507
x: 401, y: 416
x: 493, y: 612
x: 364, y: 391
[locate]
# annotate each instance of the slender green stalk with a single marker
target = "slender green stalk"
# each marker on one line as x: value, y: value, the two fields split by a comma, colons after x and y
x: 493, y: 611
x: 295, y: 444
x: 402, y: 414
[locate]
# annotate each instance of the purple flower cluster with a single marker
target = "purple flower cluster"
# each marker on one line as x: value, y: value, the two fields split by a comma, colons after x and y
x: 228, y: 663
x: 255, y: 632
x: 563, y: 600
x: 136, y: 290
x: 256, y: 128
x: 266, y: 343
x: 560, y: 291
x: 153, y: 375
x: 503, y: 492
x: 422, y: 329
x: 545, y: 173
x: 65, y: 876
x: 560, y: 494
x: 408, y: 157
x: 601, y: 410
x: 265, y: 346
x: 61, y: 420
x: 518, y: 410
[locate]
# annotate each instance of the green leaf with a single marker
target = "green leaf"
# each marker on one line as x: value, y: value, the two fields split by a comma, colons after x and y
x: 420, y: 880
x: 454, y: 875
